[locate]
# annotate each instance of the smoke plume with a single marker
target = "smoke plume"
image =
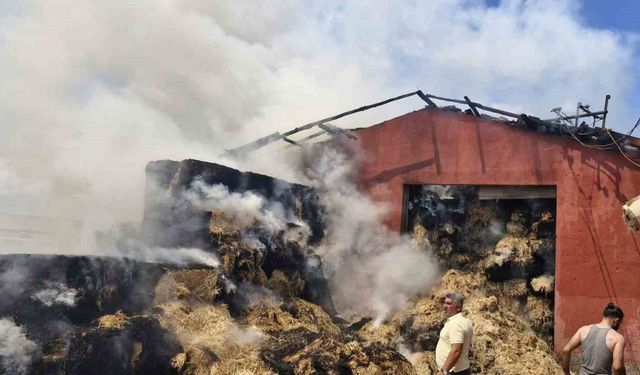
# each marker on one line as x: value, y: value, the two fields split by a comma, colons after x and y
x: 124, y: 241
x: 243, y: 209
x: 16, y: 350
x: 86, y: 103
x: 56, y: 293
x: 372, y: 270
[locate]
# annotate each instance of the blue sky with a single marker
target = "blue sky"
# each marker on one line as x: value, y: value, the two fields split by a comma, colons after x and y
x: 621, y: 15
x: 616, y: 16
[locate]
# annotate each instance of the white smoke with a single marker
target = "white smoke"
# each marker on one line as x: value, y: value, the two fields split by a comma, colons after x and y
x: 371, y: 269
x: 85, y: 103
x: 13, y: 279
x: 246, y: 335
x: 16, y: 350
x: 56, y: 293
x: 176, y: 256
x: 242, y: 209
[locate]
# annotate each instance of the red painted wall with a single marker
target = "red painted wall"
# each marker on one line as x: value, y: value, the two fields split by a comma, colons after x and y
x: 597, y: 257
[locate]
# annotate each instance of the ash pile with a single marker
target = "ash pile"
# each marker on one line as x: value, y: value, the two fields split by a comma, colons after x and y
x: 240, y: 273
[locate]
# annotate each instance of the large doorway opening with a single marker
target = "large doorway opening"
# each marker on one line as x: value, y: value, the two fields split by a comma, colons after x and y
x: 506, y: 233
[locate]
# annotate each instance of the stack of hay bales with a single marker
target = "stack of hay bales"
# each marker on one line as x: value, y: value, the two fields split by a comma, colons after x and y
x: 512, y: 245
x: 275, y: 328
x: 523, y: 261
x: 503, y: 342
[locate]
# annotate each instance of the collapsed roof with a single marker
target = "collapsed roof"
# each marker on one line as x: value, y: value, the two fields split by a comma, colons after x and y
x: 595, y: 135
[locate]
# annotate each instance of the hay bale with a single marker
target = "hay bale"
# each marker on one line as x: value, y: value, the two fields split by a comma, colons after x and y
x: 274, y: 317
x: 503, y: 341
x: 516, y: 250
x: 544, y: 284
x: 242, y: 263
x: 539, y: 314
x: 117, y: 321
x: 420, y: 237
x: 543, y: 225
x: 286, y: 285
x: 466, y: 283
x: 203, y: 325
x: 385, y: 333
x: 517, y: 224
x: 195, y: 361
x: 107, y: 295
x: 198, y: 285
x: 121, y: 345
x: 300, y: 351
x: 381, y: 360
x: 425, y: 363
x: 210, y: 338
x: 446, y: 230
x: 270, y: 317
x: 489, y: 304
x: 420, y: 334
x: 222, y: 228
x: 503, y: 344
x: 512, y: 288
x: 542, y: 247
x: 313, y: 317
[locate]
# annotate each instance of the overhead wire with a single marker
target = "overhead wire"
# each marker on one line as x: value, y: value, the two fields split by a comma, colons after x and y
x: 601, y: 147
x: 620, y: 149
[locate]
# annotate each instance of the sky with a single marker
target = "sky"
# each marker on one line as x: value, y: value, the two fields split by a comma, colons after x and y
x: 91, y: 91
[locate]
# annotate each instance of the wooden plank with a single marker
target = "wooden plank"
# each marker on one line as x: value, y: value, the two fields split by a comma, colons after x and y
x: 488, y: 192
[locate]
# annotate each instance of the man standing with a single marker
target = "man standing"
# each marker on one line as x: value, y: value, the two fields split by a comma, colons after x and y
x: 602, y: 346
x: 452, y: 351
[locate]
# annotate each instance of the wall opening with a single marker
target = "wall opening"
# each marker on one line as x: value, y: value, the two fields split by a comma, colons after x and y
x: 505, y: 234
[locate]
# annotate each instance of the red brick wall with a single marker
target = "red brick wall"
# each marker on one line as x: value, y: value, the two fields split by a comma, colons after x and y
x: 597, y: 257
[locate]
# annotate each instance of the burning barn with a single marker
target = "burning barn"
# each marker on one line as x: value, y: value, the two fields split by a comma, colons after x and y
x: 534, y: 205
x: 533, y: 177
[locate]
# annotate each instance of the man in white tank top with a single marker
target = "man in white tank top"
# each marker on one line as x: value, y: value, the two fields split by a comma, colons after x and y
x: 602, y: 346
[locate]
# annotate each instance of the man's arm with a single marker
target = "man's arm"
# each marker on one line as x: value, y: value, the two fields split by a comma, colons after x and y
x: 452, y: 358
x: 618, y: 357
x: 573, y: 343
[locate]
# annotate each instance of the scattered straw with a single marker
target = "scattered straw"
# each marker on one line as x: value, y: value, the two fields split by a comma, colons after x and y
x: 116, y: 321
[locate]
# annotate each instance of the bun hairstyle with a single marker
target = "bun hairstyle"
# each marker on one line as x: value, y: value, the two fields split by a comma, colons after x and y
x: 612, y: 311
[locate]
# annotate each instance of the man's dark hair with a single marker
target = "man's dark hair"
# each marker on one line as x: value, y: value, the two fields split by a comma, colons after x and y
x: 612, y: 311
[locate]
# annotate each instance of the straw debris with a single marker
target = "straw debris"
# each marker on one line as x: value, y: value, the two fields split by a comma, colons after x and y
x: 197, y: 285
x: 287, y: 286
x: 208, y: 335
x: 116, y: 321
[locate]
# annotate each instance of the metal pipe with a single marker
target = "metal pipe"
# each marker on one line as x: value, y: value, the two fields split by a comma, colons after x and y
x: 579, y: 116
x: 472, y: 106
x: 606, y: 107
x: 478, y: 105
